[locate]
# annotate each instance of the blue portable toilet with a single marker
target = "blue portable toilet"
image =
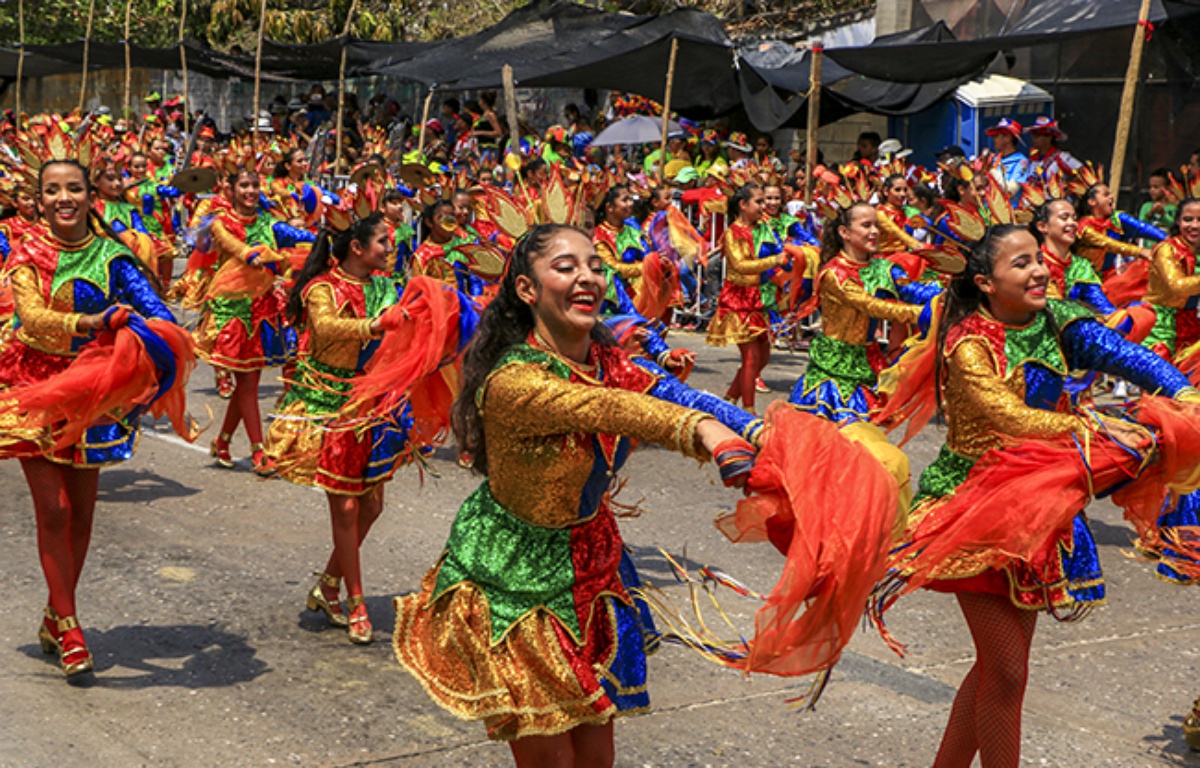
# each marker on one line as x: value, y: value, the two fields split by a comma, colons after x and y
x: 964, y: 117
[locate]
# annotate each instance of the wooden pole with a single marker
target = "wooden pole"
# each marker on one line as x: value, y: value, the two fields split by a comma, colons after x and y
x: 262, y: 24
x: 128, y: 62
x: 20, y: 55
x: 666, y: 121
x: 337, y: 152
x: 183, y: 64
x: 424, y: 119
x: 814, y: 118
x: 1128, y: 95
x: 510, y: 107
x: 87, y: 41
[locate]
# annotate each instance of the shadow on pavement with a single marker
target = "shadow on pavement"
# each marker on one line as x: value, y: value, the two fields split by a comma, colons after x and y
x: 1111, y: 535
x: 183, y: 656
x: 139, y: 485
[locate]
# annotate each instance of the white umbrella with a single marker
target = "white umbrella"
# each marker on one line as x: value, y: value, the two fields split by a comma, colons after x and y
x: 638, y: 129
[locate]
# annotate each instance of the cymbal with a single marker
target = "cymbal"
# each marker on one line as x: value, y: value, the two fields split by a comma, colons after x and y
x: 416, y: 175
x: 192, y: 180
x: 364, y: 172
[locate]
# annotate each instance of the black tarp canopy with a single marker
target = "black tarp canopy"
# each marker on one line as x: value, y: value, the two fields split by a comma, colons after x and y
x: 200, y: 59
x: 1050, y: 21
x: 774, y: 79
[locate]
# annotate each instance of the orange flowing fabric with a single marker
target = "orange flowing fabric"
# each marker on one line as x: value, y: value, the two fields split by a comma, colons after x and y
x: 235, y: 280
x: 1016, y: 498
x: 655, y: 288
x: 908, y: 387
x: 420, y: 340
x: 111, y: 377
x: 1129, y: 283
x: 829, y: 506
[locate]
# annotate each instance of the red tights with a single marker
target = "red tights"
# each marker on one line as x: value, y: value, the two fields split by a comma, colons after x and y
x: 64, y: 503
x: 243, y: 407
x: 584, y: 746
x: 352, y: 517
x: 755, y: 356
x: 986, y: 717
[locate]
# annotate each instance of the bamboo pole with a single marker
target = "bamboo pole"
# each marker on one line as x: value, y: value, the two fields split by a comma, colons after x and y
x: 262, y: 24
x: 666, y: 121
x: 128, y: 62
x: 510, y: 107
x: 87, y: 41
x: 424, y: 119
x: 341, y: 125
x: 183, y: 65
x: 20, y: 54
x: 814, y: 119
x: 1128, y: 96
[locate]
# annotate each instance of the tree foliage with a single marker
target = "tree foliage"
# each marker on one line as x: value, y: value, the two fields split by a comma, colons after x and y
x: 222, y: 24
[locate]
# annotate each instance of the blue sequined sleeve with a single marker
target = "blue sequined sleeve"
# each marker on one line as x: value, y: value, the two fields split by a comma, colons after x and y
x: 1093, y: 297
x: 1091, y: 346
x: 913, y: 293
x: 287, y: 236
x: 675, y: 391
x: 129, y: 286
x: 136, y: 219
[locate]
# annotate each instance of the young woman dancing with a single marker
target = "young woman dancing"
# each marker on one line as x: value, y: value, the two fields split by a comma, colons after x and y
x: 527, y: 622
x: 242, y: 329
x: 740, y: 318
x: 1004, y: 351
x: 69, y: 284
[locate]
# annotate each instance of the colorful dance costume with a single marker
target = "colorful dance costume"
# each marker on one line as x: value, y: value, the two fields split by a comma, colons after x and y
x: 54, y: 285
x: 336, y: 344
x: 622, y: 251
x: 844, y: 360
x: 245, y: 331
x: 1076, y: 279
x: 1174, y: 294
x: 770, y: 237
x: 1008, y: 381
x: 1098, y: 242
x: 297, y: 200
x: 740, y: 317
x: 527, y: 622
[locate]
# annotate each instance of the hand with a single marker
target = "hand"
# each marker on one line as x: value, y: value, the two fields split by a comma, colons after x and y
x: 376, y: 326
x: 1144, y: 253
x: 110, y: 319
x: 679, y: 360
x: 1129, y: 434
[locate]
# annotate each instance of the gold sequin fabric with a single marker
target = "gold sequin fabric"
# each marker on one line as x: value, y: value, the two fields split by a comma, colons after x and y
x: 847, y: 308
x: 1172, y: 275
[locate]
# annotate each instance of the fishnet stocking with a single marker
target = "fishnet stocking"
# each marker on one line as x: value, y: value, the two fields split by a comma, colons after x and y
x: 986, y: 717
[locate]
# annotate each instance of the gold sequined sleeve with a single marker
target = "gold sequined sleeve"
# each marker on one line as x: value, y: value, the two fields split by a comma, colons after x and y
x: 739, y: 256
x: 1090, y: 238
x: 327, y: 322
x: 526, y: 400
x: 231, y: 247
x: 610, y: 257
x: 851, y: 293
x: 976, y: 391
x: 37, y: 319
x: 894, y: 232
x: 1166, y: 262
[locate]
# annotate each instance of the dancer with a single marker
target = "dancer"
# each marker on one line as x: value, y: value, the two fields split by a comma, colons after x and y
x: 69, y: 284
x: 1071, y: 277
x: 1004, y: 351
x: 839, y: 383
x: 526, y: 622
x: 242, y: 329
x: 740, y: 318
x: 339, y: 308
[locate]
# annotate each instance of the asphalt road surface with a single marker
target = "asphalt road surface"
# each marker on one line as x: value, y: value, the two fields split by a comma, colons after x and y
x: 193, y: 605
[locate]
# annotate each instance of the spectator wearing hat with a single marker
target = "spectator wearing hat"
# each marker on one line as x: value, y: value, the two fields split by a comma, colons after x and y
x: 675, y: 151
x: 154, y: 104
x: 1047, y: 159
x: 1006, y: 136
x: 317, y: 113
x: 557, y: 146
x: 739, y: 150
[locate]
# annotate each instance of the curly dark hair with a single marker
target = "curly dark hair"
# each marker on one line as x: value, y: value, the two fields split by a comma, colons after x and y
x: 506, y: 322
x: 330, y: 246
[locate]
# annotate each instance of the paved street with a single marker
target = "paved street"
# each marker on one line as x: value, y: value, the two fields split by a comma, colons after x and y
x: 193, y: 604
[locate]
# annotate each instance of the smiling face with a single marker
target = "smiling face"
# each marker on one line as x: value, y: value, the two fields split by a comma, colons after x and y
x: 297, y: 166
x: 1189, y: 224
x: 896, y: 193
x: 565, y: 288
x: 1060, y: 227
x: 245, y: 193
x: 393, y: 210
x: 64, y: 199
x: 772, y: 200
x: 860, y: 236
x: 620, y: 208
x: 26, y: 206
x: 138, y: 167
x: 108, y: 183
x: 1017, y: 286
x: 751, y: 209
